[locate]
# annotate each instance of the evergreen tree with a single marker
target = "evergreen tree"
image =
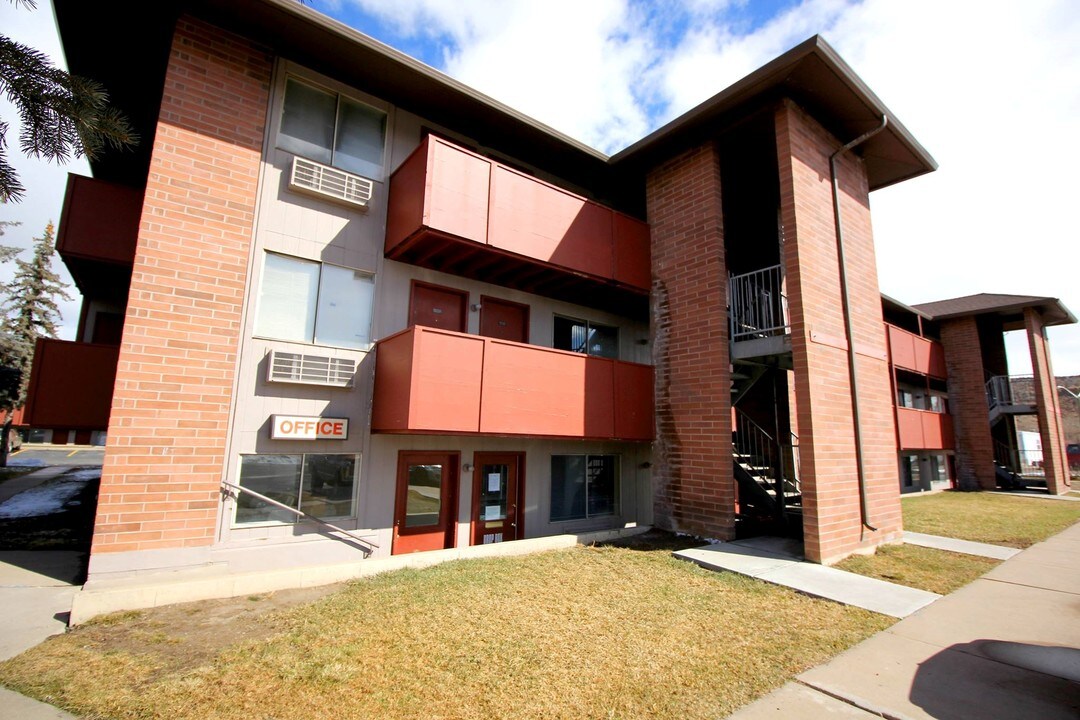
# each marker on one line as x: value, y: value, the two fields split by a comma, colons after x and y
x: 63, y: 116
x: 29, y: 311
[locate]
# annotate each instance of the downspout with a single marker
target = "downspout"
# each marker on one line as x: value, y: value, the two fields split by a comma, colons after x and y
x: 849, y: 329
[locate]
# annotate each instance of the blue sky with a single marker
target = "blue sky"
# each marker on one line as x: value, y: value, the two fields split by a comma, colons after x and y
x: 989, y: 88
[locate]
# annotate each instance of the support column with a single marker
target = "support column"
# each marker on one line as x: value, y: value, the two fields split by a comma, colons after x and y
x: 1055, y: 462
x: 967, y: 402
x: 694, y: 483
x: 832, y: 525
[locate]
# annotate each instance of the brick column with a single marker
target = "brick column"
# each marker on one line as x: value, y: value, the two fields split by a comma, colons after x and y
x: 967, y: 403
x: 174, y: 380
x: 694, y: 479
x: 1055, y: 462
x: 831, y: 510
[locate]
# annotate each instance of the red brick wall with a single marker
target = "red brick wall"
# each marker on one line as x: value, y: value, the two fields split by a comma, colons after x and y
x: 1046, y: 402
x: 831, y: 512
x: 967, y: 403
x: 166, y: 441
x: 693, y: 476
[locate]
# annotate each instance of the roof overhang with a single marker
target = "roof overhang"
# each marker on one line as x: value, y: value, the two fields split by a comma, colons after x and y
x: 815, y: 77
x: 1011, y: 314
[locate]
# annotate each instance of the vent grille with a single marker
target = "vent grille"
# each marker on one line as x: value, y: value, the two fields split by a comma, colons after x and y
x: 312, y: 177
x: 311, y: 369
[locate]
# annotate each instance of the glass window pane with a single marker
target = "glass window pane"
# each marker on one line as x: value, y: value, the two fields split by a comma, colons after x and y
x: 361, y: 133
x: 603, y: 341
x: 287, y: 298
x: 328, y: 485
x: 345, y: 299
x: 493, y: 492
x: 569, y: 335
x: 275, y: 476
x: 603, y: 485
x: 307, y: 121
x: 567, y: 487
x: 424, y: 500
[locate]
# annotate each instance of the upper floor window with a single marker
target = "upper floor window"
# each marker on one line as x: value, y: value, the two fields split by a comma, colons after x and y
x: 312, y: 302
x: 586, y: 337
x: 332, y: 129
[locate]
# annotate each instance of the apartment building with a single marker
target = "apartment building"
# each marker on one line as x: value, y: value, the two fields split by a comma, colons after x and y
x: 335, y: 286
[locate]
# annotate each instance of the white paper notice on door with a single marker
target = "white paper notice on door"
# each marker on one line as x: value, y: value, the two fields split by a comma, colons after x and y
x: 494, y: 482
x: 493, y: 512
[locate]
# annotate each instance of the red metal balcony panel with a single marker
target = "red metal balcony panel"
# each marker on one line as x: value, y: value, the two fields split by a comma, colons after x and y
x: 924, y: 430
x: 408, y: 192
x: 901, y: 347
x: 433, y: 381
x: 936, y: 366
x: 71, y: 385
x: 632, y: 252
x: 99, y: 221
x: 918, y: 354
x: 633, y: 401
x: 539, y: 221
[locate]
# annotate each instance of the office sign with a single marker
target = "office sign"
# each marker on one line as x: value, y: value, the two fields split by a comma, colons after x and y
x: 299, y: 427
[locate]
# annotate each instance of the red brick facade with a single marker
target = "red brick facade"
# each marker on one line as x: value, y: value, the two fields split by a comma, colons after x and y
x: 831, y: 510
x: 693, y: 473
x: 967, y: 400
x: 160, y: 486
x: 1055, y: 464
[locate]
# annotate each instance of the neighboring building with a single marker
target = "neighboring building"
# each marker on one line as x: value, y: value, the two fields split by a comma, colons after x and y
x: 356, y: 287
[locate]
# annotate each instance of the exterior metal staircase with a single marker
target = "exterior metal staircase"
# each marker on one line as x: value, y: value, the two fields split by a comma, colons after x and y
x: 767, y: 472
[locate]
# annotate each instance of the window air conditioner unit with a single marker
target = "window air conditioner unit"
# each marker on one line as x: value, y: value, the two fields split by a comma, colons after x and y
x: 287, y: 367
x: 314, y: 178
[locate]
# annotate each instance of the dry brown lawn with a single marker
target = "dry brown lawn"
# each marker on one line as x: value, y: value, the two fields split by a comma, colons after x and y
x: 984, y: 517
x: 919, y: 567
x: 583, y: 633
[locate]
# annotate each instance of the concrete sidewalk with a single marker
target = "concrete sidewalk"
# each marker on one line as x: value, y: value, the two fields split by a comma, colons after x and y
x: 1005, y: 646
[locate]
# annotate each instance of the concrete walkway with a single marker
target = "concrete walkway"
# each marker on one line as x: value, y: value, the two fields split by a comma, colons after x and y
x: 1005, y: 646
x: 965, y: 547
x: 36, y: 588
x: 780, y: 562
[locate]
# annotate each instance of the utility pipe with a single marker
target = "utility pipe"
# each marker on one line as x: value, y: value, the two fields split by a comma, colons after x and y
x: 849, y: 328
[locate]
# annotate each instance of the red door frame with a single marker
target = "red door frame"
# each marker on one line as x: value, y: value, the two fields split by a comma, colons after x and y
x: 463, y: 298
x: 427, y: 538
x: 485, y: 301
x: 517, y: 459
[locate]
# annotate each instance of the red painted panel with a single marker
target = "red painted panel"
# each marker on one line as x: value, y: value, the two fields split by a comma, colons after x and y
x: 910, y: 425
x: 633, y: 401
x: 533, y: 391
x: 536, y: 220
x: 457, y: 192
x: 902, y: 348
x: 632, y: 260
x: 446, y: 381
x: 71, y: 385
x: 99, y: 221
x: 408, y: 192
x: 937, y: 360
x: 948, y: 435
x: 922, y: 354
x: 599, y: 397
x: 393, y: 382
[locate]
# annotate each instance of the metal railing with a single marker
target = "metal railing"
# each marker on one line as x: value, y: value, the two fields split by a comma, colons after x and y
x: 756, y: 450
x: 757, y: 304
x: 1001, y: 391
x: 232, y: 490
x: 1027, y: 463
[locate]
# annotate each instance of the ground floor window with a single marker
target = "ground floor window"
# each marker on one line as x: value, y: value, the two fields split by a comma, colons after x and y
x: 319, y: 485
x: 584, y: 486
x: 909, y: 466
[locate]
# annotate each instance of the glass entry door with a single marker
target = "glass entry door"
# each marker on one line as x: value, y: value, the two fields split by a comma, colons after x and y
x: 426, y: 506
x: 498, y: 494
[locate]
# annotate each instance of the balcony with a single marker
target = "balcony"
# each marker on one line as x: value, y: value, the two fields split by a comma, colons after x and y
x: 917, y: 354
x: 758, y: 314
x: 1010, y: 395
x: 99, y: 226
x: 457, y: 212
x: 430, y: 381
x: 924, y: 429
x: 71, y: 385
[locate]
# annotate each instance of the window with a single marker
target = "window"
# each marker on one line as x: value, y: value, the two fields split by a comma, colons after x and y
x: 332, y: 129
x: 583, y: 486
x: 586, y: 337
x: 319, y: 485
x: 312, y: 302
x: 909, y: 467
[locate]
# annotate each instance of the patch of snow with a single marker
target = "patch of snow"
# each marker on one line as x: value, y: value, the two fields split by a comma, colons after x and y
x: 44, y: 499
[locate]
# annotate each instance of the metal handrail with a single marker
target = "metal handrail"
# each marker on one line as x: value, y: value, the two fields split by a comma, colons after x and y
x: 757, y: 304
x: 999, y: 390
x: 300, y: 513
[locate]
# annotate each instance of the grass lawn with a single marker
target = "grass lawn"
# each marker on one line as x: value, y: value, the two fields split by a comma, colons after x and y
x: 590, y: 632
x: 997, y: 519
x: 919, y: 567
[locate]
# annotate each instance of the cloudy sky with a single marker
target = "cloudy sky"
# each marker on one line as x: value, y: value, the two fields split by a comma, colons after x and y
x: 989, y: 88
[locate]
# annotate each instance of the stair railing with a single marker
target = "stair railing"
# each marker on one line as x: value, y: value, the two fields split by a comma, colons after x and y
x: 757, y: 304
x: 759, y: 451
